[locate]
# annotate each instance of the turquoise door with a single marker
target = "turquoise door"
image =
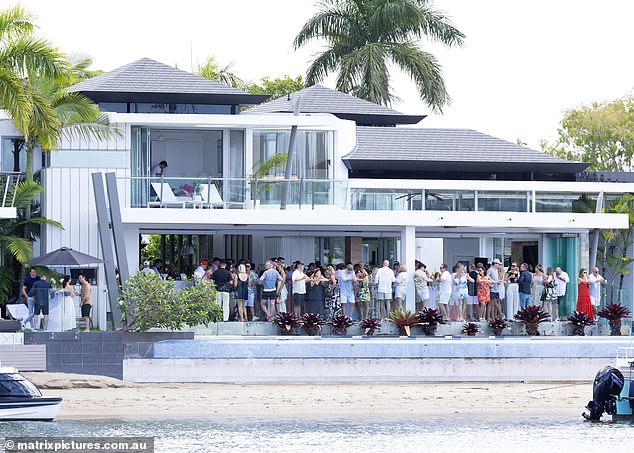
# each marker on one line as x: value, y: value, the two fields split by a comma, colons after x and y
x: 563, y: 252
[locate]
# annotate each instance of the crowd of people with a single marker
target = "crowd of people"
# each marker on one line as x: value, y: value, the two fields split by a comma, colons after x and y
x: 477, y: 292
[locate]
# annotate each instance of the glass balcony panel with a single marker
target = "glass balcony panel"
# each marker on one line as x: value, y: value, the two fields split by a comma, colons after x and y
x: 449, y: 200
x: 385, y: 200
x: 503, y: 201
x: 565, y: 202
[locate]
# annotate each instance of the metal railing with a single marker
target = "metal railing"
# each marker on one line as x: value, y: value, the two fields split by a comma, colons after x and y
x: 8, y: 183
x: 230, y: 193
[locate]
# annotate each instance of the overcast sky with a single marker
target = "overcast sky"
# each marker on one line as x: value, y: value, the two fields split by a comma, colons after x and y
x: 523, y: 65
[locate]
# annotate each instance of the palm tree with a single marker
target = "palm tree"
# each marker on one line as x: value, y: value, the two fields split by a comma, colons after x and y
x: 23, y: 58
x: 365, y: 37
x: 213, y: 71
x: 15, y: 248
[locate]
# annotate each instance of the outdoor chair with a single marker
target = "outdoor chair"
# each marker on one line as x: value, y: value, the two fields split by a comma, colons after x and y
x: 166, y: 197
x: 211, y: 196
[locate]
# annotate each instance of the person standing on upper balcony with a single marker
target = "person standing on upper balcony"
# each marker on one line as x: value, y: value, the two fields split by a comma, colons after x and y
x: 158, y: 170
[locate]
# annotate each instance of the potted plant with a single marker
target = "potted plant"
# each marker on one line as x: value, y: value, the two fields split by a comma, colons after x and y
x: 404, y: 321
x: 497, y: 325
x: 312, y: 323
x: 471, y: 329
x: 196, y: 196
x: 370, y: 325
x: 614, y: 313
x: 531, y: 316
x: 429, y: 319
x: 340, y: 324
x: 286, y: 322
x: 579, y: 320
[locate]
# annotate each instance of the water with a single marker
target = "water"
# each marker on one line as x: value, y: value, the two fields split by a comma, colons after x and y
x: 531, y: 434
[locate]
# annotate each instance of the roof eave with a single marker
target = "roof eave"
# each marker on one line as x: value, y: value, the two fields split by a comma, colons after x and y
x: 425, y: 165
x: 193, y: 98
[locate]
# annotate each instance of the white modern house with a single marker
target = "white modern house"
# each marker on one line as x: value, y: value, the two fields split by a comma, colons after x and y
x: 365, y: 182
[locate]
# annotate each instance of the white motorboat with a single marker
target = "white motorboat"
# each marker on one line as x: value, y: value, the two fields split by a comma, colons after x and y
x: 21, y: 400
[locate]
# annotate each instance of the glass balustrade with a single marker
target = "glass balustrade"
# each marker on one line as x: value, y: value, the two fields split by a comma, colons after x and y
x: 249, y: 193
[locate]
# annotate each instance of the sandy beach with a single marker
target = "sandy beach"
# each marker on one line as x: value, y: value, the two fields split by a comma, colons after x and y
x: 97, y: 397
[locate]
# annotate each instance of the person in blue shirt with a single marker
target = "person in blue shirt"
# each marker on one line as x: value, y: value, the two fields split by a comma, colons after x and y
x: 41, y: 294
x: 270, y: 280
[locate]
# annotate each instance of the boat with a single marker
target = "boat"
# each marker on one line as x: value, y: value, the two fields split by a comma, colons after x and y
x: 613, y: 392
x: 20, y: 399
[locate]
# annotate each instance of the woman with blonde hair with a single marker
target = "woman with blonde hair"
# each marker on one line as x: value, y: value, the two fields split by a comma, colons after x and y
x: 400, y: 287
x: 362, y: 291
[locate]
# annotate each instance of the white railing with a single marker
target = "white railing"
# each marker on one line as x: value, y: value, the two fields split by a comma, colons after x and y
x: 8, y: 181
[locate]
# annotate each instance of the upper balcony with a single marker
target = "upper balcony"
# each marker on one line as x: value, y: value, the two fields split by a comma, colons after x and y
x: 371, y: 194
x: 8, y: 180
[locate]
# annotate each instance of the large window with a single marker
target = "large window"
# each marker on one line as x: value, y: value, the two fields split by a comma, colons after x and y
x: 313, y: 156
x: 13, y: 156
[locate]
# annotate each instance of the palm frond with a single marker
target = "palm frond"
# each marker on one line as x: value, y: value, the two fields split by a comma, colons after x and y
x: 20, y: 248
x: 15, y: 22
x: 25, y: 193
x: 14, y: 98
x: 423, y: 68
x: 33, y: 57
x: 40, y: 221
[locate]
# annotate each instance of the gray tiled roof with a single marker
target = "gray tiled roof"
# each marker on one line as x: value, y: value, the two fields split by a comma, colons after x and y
x: 441, y: 145
x: 150, y: 76
x: 319, y: 99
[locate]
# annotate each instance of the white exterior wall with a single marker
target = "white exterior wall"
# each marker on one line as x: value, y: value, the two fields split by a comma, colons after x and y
x: 455, y: 249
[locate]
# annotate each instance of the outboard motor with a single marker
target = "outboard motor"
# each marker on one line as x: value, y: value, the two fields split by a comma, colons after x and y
x: 607, y: 384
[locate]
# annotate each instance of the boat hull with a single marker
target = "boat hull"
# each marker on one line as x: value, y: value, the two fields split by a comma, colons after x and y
x: 42, y: 409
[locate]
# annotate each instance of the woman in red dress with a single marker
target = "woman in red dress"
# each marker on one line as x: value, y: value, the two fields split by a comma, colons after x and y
x: 584, y: 304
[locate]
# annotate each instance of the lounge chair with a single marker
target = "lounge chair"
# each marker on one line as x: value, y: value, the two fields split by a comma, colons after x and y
x: 211, y: 196
x: 166, y: 197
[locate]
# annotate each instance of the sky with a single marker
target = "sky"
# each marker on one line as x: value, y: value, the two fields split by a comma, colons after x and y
x: 523, y: 65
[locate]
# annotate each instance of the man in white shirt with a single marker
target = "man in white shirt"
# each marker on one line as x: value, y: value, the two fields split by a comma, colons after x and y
x: 494, y: 274
x: 199, y: 273
x: 444, y: 290
x: 299, y: 289
x: 561, y: 280
x: 146, y: 269
x: 384, y: 279
x: 157, y: 170
x: 595, y: 288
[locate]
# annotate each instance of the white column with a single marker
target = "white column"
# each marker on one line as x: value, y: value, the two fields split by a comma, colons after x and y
x: 408, y: 257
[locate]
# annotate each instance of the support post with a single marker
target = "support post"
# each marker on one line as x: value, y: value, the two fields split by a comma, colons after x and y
x: 117, y: 227
x: 595, y: 236
x: 408, y: 257
x: 289, y: 158
x: 107, y: 249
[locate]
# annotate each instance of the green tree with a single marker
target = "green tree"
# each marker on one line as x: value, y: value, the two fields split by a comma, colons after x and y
x: 601, y: 134
x: 365, y: 37
x: 15, y: 248
x: 277, y: 87
x: 212, y: 70
x: 24, y: 58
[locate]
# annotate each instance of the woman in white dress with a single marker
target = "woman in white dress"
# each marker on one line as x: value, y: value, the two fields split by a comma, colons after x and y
x: 69, y: 321
x: 537, y: 286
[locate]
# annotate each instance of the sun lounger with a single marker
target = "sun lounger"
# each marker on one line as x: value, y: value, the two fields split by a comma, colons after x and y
x: 165, y: 197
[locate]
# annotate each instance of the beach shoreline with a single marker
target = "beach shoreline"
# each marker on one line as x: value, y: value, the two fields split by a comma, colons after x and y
x: 103, y: 398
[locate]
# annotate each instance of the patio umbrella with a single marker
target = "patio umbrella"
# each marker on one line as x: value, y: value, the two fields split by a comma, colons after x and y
x: 65, y: 256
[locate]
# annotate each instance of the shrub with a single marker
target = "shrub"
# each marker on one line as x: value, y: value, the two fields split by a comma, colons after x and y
x: 579, y: 320
x: 149, y: 302
x: 340, y: 324
x: 286, y: 321
x: 471, y: 329
x: 403, y: 320
x: 370, y: 325
x: 312, y: 323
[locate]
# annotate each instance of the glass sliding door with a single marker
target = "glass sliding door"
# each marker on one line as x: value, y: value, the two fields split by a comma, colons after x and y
x: 140, y: 166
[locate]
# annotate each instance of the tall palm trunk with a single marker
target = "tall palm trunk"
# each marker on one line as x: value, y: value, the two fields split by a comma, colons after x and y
x: 28, y: 177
